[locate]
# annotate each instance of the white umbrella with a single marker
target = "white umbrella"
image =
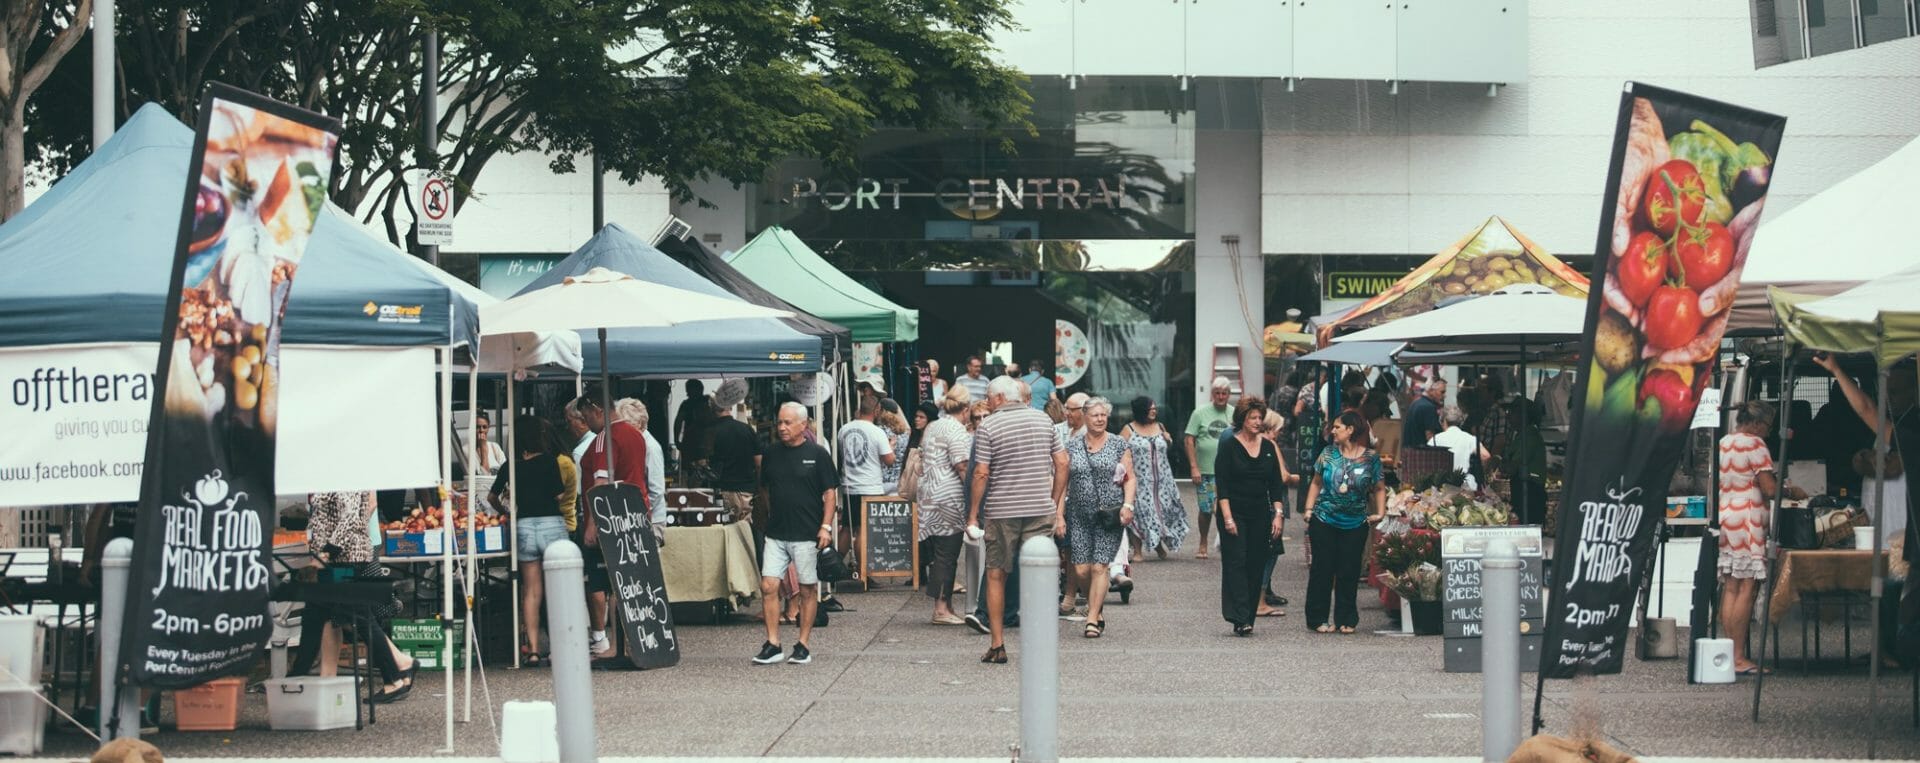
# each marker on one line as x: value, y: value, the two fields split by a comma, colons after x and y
x: 603, y: 299
x: 1516, y: 315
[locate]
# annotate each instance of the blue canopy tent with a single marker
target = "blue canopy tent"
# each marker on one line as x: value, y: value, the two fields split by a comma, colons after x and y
x: 89, y: 265
x: 752, y: 347
x: 90, y: 261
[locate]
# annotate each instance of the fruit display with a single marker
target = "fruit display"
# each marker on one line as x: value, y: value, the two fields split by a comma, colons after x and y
x: 432, y: 518
x: 1684, y: 214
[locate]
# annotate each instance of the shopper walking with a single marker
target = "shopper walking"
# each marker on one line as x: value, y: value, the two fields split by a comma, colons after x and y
x: 1423, y: 417
x: 865, y: 453
x: 1161, y: 521
x: 736, y: 470
x: 1250, y: 512
x: 893, y: 424
x: 1205, y: 429
x: 936, y: 386
x: 1039, y: 379
x: 1345, y: 498
x: 974, y: 380
x: 1094, y: 506
x: 1019, y: 468
x: 800, y: 483
x: 944, y: 450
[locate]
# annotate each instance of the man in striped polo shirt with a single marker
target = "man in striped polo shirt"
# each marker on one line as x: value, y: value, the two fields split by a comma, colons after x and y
x: 1019, y: 467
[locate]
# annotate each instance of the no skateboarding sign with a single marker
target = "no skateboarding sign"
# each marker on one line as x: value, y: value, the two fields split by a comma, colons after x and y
x: 431, y: 196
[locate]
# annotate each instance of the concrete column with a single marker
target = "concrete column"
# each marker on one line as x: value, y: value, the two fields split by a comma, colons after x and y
x: 1230, y: 288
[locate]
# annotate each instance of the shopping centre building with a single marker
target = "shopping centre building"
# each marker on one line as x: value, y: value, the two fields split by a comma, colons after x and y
x: 1198, y: 167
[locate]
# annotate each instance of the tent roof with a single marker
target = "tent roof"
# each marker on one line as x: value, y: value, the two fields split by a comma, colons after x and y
x: 747, y: 347
x: 777, y: 260
x: 1881, y: 317
x: 1494, y: 247
x: 1852, y: 232
x: 90, y: 261
x: 835, y: 339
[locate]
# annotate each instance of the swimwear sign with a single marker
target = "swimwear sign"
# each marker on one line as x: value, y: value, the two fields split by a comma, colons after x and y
x: 1359, y: 285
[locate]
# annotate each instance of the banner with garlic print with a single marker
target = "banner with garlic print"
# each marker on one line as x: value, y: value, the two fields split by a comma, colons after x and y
x: 1684, y: 196
x: 199, y: 592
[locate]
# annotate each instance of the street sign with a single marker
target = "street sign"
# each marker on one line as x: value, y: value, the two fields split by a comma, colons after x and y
x: 430, y: 193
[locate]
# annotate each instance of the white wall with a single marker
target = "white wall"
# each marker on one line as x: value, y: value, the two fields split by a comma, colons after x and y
x: 1350, y: 169
x: 1226, y: 203
x: 522, y: 206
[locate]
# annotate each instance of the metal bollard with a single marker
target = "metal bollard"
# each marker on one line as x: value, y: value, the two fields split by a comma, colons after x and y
x: 567, y: 637
x: 1500, y: 650
x: 1039, y: 651
x: 116, y: 566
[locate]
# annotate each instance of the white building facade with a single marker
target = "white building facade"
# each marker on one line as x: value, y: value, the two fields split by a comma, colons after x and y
x: 1201, y: 164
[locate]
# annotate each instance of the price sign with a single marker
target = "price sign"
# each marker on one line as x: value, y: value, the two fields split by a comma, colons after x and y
x: 889, y: 538
x: 633, y: 566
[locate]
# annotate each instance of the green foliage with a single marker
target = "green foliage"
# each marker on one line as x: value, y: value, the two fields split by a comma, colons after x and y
x: 673, y: 90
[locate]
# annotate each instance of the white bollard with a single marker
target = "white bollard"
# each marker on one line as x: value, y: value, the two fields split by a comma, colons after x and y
x: 116, y: 566
x: 1039, y: 651
x: 1500, y: 650
x: 567, y: 637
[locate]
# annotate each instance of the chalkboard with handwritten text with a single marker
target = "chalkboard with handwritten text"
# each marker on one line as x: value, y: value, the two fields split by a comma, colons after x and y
x: 1461, y: 550
x: 889, y: 538
x: 632, y: 555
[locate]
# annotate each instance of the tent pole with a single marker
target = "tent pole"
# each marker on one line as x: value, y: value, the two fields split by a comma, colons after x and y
x: 446, y: 544
x: 1884, y: 429
x: 606, y: 409
x: 1782, y: 419
x: 473, y: 512
x: 513, y: 513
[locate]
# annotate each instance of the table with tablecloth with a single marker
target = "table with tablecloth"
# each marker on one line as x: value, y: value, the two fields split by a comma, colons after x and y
x: 1823, y: 571
x: 712, y: 563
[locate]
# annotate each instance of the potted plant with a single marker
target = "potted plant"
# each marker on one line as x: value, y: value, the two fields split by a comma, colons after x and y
x: 1410, y: 565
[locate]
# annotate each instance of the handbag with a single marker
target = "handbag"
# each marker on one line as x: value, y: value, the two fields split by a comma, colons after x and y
x: 1796, y: 528
x: 1107, y: 519
x: 832, y: 567
x: 910, y: 476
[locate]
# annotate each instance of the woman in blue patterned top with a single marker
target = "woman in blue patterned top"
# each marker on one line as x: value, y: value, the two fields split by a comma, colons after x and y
x: 1345, y: 498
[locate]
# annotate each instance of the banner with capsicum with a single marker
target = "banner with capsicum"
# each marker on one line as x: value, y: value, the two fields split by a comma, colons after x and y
x: 1684, y: 195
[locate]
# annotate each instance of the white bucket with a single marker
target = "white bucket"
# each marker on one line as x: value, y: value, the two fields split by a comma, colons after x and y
x: 1863, y: 537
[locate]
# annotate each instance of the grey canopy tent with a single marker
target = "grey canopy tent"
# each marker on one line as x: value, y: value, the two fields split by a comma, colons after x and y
x: 836, y: 341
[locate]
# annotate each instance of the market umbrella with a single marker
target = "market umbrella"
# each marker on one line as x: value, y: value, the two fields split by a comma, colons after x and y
x: 603, y: 299
x: 1356, y: 353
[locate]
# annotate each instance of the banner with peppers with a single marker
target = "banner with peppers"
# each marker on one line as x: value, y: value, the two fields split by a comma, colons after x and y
x: 1684, y: 195
x: 197, y: 599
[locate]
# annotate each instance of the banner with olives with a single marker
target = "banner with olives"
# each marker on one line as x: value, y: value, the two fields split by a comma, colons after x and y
x: 1684, y: 195
x: 197, y: 600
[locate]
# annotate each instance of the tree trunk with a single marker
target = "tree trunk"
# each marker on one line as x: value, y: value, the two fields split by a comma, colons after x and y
x: 13, y: 162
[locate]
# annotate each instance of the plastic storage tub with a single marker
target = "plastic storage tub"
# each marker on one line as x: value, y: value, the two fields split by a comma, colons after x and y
x: 310, y: 703
x: 21, y: 642
x: 23, y: 720
x: 211, y: 706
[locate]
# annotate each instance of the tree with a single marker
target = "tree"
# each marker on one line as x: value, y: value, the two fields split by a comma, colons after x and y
x: 676, y: 91
x: 34, y: 36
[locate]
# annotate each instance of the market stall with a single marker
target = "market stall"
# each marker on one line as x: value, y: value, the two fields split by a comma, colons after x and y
x: 1879, y: 319
x: 781, y: 263
x: 836, y: 341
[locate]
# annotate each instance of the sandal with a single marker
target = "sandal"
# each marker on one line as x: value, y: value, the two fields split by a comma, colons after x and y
x: 529, y: 658
x: 1067, y: 608
x: 1346, y: 630
x: 1323, y: 628
x: 1094, y: 629
x: 995, y: 656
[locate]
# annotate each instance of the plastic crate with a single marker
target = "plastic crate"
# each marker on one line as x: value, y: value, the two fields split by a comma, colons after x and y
x: 23, y: 720
x: 310, y: 703
x: 22, y: 646
x: 211, y: 706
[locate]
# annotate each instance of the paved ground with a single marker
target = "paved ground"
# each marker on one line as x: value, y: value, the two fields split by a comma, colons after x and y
x: 1168, y: 680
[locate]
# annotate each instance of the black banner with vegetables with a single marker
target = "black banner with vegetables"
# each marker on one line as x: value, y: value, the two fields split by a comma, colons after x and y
x: 197, y: 599
x: 1684, y: 195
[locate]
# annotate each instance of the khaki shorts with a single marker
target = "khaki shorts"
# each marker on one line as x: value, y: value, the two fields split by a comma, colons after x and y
x: 1005, y: 536
x: 739, y: 504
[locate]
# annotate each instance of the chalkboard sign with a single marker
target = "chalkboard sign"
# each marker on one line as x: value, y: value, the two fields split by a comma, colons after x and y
x: 889, y: 538
x: 633, y: 566
x: 1461, y: 549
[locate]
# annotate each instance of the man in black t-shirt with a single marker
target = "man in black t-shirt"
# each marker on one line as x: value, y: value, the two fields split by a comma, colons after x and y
x: 801, y: 482
x: 736, y: 468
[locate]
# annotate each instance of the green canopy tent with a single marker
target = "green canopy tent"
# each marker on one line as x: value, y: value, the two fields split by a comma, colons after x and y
x: 780, y: 263
x: 1881, y: 319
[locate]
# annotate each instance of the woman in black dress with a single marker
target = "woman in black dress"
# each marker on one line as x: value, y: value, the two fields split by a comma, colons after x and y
x: 1252, y: 494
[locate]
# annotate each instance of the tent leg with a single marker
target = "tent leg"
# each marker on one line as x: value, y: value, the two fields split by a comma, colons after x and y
x: 1880, y: 447
x: 446, y: 546
x: 513, y: 516
x: 473, y: 389
x: 1773, y: 551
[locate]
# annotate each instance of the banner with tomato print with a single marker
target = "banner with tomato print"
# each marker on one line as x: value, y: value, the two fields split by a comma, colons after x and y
x: 1684, y: 195
x: 197, y: 599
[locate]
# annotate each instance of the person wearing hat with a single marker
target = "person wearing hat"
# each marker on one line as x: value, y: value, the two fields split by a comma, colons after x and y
x: 871, y: 387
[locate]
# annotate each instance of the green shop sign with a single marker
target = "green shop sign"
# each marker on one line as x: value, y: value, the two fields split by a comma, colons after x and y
x: 1354, y: 285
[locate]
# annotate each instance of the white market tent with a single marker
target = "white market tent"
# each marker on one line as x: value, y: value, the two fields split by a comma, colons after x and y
x: 1853, y: 232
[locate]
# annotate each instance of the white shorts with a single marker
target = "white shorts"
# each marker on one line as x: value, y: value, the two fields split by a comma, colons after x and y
x: 804, y: 555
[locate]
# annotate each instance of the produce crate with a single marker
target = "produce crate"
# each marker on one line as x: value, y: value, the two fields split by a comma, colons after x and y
x: 211, y: 706
x: 420, y: 638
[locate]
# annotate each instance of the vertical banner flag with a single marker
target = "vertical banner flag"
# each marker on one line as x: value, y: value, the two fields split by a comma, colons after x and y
x: 1688, y: 180
x: 197, y: 599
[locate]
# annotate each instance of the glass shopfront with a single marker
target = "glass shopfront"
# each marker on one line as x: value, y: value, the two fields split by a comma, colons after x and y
x: 1072, y: 244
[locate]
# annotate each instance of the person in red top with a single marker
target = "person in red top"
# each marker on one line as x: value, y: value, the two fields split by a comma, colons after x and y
x: 630, y: 466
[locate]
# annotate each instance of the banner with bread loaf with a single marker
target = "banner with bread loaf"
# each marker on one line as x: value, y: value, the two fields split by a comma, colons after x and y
x: 197, y: 600
x: 1683, y: 198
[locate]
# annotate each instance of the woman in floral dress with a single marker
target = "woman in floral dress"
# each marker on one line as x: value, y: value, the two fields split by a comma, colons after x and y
x: 1747, y: 484
x: 1160, y: 519
x: 1099, y: 481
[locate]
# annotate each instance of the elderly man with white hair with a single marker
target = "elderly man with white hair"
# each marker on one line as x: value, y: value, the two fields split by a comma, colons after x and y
x: 1019, y: 468
x: 1204, y: 429
x: 801, y: 485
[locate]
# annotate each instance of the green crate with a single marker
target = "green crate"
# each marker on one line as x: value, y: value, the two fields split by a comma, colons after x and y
x: 421, y: 638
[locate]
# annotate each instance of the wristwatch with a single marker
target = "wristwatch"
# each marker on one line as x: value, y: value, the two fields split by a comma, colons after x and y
x: 1127, y: 506
x: 828, y: 528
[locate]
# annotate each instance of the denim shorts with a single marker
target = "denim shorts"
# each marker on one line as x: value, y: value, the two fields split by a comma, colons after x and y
x: 534, y: 533
x: 804, y: 555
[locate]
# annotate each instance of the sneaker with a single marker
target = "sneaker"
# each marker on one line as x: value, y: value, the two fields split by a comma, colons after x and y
x: 769, y: 654
x: 978, y: 626
x: 800, y: 654
x: 599, y: 646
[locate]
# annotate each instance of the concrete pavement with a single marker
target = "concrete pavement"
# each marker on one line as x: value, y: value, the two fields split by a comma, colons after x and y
x: 1168, y: 680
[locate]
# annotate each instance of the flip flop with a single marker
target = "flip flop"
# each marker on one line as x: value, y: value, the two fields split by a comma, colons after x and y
x: 1274, y: 613
x: 1754, y: 671
x: 1323, y: 628
x: 1347, y: 630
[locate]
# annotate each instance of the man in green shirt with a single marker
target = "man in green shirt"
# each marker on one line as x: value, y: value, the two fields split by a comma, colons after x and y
x: 1204, y: 429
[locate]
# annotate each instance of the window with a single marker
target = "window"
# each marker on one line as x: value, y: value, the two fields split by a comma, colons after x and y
x: 1790, y: 30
